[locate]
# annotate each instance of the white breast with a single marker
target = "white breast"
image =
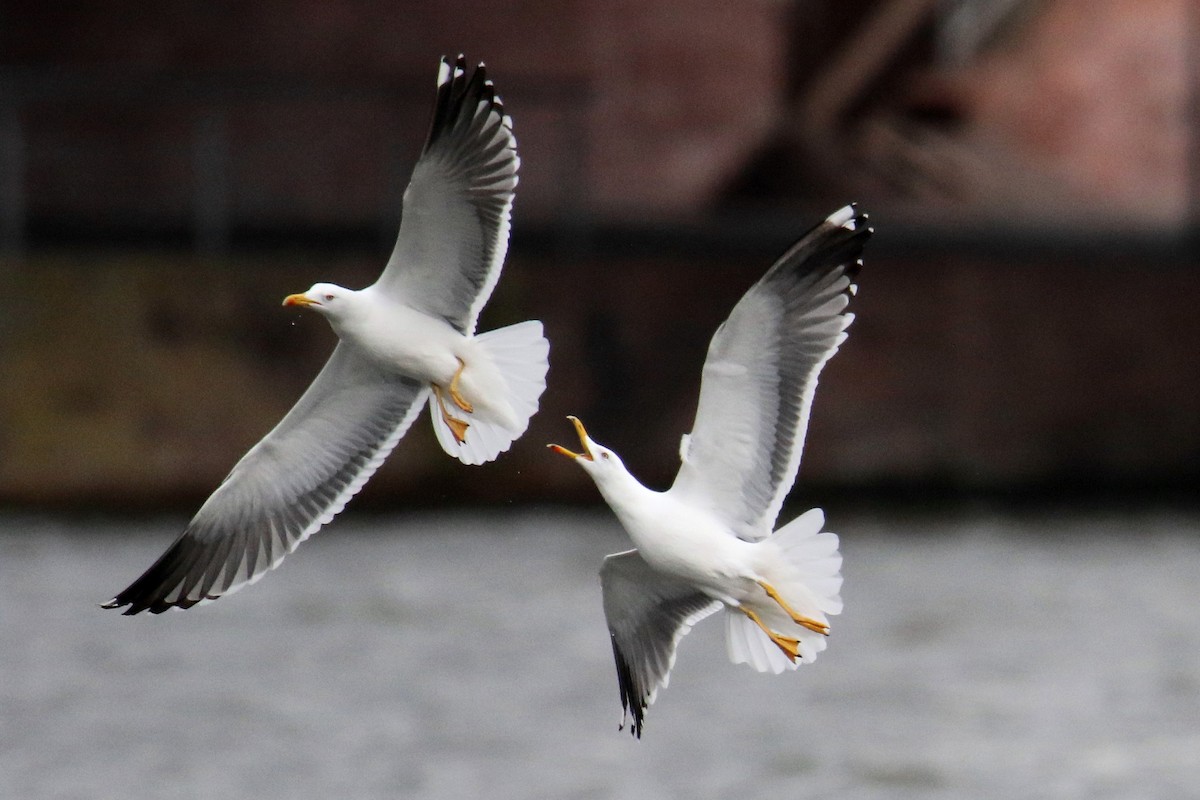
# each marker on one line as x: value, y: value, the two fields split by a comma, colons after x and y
x: 688, y: 543
x: 404, y: 340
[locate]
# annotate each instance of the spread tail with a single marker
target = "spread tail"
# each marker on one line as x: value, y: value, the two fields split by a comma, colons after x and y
x: 808, y: 574
x: 520, y: 353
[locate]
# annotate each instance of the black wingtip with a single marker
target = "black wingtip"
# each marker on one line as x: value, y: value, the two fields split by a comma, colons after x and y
x: 166, y: 578
x: 457, y: 94
x: 633, y: 703
x: 833, y: 247
x: 128, y: 608
x: 137, y: 604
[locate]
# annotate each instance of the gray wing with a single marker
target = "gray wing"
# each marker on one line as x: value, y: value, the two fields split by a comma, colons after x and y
x: 454, y: 229
x: 285, y: 488
x: 757, y: 386
x: 647, y: 614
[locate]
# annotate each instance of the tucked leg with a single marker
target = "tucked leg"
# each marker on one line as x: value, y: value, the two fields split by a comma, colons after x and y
x: 457, y: 426
x: 455, y: 394
x: 811, y: 624
x: 789, y: 646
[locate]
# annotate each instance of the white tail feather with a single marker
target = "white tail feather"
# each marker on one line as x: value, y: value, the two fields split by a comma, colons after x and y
x: 520, y: 353
x: 747, y: 644
x: 806, y: 570
x: 812, y: 560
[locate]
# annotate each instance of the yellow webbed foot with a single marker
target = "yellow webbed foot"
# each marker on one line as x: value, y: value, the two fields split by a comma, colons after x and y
x: 455, y: 394
x: 457, y: 426
x: 789, y: 646
x: 799, y: 619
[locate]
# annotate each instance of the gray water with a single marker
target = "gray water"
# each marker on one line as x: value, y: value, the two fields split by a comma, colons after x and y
x: 466, y: 657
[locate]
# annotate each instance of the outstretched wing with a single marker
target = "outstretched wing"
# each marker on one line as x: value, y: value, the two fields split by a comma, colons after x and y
x: 757, y: 387
x: 647, y: 614
x: 454, y: 230
x: 285, y: 488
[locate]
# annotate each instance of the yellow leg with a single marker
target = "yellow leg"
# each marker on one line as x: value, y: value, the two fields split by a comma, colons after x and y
x: 455, y: 395
x: 457, y: 426
x: 811, y: 624
x: 789, y: 646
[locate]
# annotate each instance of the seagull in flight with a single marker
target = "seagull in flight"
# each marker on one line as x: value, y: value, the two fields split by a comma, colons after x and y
x: 706, y: 543
x: 406, y: 340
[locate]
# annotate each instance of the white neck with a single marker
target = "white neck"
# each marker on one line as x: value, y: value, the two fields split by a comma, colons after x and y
x: 624, y: 494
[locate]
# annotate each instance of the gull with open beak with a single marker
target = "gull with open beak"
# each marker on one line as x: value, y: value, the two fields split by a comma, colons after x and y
x: 707, y: 543
x: 408, y: 337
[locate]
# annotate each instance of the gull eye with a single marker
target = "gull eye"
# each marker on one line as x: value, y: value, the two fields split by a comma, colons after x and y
x: 604, y: 454
x: 328, y: 297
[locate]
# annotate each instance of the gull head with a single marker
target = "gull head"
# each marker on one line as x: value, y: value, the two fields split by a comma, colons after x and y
x: 596, y: 459
x: 328, y: 298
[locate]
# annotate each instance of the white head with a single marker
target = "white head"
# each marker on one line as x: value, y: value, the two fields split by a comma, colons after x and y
x: 328, y: 298
x: 597, y: 460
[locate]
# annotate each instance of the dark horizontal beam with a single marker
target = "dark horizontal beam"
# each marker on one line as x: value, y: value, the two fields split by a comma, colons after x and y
x: 72, y: 84
x: 713, y: 237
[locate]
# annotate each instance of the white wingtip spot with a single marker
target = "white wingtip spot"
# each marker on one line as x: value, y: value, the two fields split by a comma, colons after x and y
x: 843, y: 218
x: 443, y: 73
x: 459, y: 72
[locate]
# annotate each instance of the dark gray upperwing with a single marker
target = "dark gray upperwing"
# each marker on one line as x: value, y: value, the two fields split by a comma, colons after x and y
x: 285, y: 488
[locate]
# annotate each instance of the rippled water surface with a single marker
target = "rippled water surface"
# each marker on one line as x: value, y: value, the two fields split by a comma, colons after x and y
x: 466, y: 657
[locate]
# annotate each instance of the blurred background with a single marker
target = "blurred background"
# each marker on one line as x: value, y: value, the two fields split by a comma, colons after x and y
x: 1009, y: 442
x: 1027, y: 317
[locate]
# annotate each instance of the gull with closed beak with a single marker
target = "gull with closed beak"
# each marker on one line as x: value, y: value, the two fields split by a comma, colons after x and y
x: 407, y: 338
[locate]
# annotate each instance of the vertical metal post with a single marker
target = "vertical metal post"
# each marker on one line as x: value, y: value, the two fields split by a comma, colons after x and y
x: 388, y: 221
x: 1191, y: 45
x: 574, y: 222
x: 211, y: 184
x: 12, y: 174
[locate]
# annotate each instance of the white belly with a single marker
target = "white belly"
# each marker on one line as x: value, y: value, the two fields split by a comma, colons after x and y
x: 403, y: 340
x: 680, y: 541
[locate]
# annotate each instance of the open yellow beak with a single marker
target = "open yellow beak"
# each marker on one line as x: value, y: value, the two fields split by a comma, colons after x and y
x: 299, y: 300
x: 583, y: 442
